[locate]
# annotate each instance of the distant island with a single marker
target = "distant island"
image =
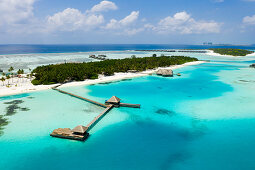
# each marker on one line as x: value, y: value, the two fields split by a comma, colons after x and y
x: 231, y: 51
x: 67, y: 72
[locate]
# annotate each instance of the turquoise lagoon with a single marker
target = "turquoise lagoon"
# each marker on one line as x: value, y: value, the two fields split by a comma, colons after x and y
x: 204, y: 119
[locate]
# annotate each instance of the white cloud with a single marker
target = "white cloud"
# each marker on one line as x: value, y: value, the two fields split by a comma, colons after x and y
x: 104, y: 6
x: 13, y: 11
x: 126, y: 25
x: 249, y: 20
x: 114, y: 24
x: 72, y: 19
x: 183, y: 23
x: 16, y: 16
x: 130, y: 18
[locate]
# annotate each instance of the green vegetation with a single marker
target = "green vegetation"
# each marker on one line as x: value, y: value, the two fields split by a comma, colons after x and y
x: 60, y: 73
x: 20, y: 71
x: 231, y: 51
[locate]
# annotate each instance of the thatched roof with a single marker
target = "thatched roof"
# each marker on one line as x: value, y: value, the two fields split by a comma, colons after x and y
x: 80, y: 129
x: 114, y: 99
x: 165, y: 72
x: 62, y: 131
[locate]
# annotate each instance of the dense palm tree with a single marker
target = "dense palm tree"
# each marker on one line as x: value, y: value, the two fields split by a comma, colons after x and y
x: 8, y: 77
x: 60, y: 73
x: 10, y: 70
x: 3, y: 79
x: 19, y: 72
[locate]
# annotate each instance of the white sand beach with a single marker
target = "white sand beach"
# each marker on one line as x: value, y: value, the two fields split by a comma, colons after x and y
x: 25, y: 85
x: 251, y: 55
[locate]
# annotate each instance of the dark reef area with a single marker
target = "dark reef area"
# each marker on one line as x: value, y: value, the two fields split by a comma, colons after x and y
x: 11, y: 109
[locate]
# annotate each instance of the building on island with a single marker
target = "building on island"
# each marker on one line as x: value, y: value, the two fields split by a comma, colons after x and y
x: 132, y: 71
x: 165, y: 72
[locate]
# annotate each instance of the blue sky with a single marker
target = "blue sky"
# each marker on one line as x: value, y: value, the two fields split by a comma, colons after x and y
x: 127, y: 22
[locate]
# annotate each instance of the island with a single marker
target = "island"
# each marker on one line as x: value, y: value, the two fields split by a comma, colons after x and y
x: 231, y: 51
x: 68, y: 72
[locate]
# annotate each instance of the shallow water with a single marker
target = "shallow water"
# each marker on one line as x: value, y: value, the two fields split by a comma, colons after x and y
x: 201, y: 120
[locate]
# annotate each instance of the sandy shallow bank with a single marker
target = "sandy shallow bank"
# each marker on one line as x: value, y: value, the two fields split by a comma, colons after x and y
x: 29, y: 87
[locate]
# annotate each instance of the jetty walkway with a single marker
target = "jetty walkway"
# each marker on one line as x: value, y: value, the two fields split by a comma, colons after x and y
x: 98, y: 118
x: 81, y: 132
x: 79, y: 97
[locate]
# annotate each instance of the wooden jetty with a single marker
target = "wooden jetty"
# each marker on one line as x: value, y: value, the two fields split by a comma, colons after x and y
x: 98, y: 118
x: 83, y: 98
x: 81, y: 132
x: 130, y: 105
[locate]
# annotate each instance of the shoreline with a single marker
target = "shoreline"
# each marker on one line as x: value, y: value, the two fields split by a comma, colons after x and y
x: 212, y: 53
x: 29, y: 87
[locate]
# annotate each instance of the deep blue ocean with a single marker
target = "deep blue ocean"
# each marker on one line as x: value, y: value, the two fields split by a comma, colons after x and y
x: 27, y: 49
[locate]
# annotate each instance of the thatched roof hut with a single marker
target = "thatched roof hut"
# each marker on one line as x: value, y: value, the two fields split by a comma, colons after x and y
x: 80, y: 129
x: 113, y: 100
x: 165, y: 72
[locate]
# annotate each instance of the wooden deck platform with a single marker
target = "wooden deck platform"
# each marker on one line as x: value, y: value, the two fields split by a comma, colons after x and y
x: 130, y: 105
x: 67, y: 133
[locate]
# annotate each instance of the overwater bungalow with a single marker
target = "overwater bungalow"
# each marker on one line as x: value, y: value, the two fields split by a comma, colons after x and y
x: 80, y: 130
x: 113, y: 101
x: 77, y: 133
